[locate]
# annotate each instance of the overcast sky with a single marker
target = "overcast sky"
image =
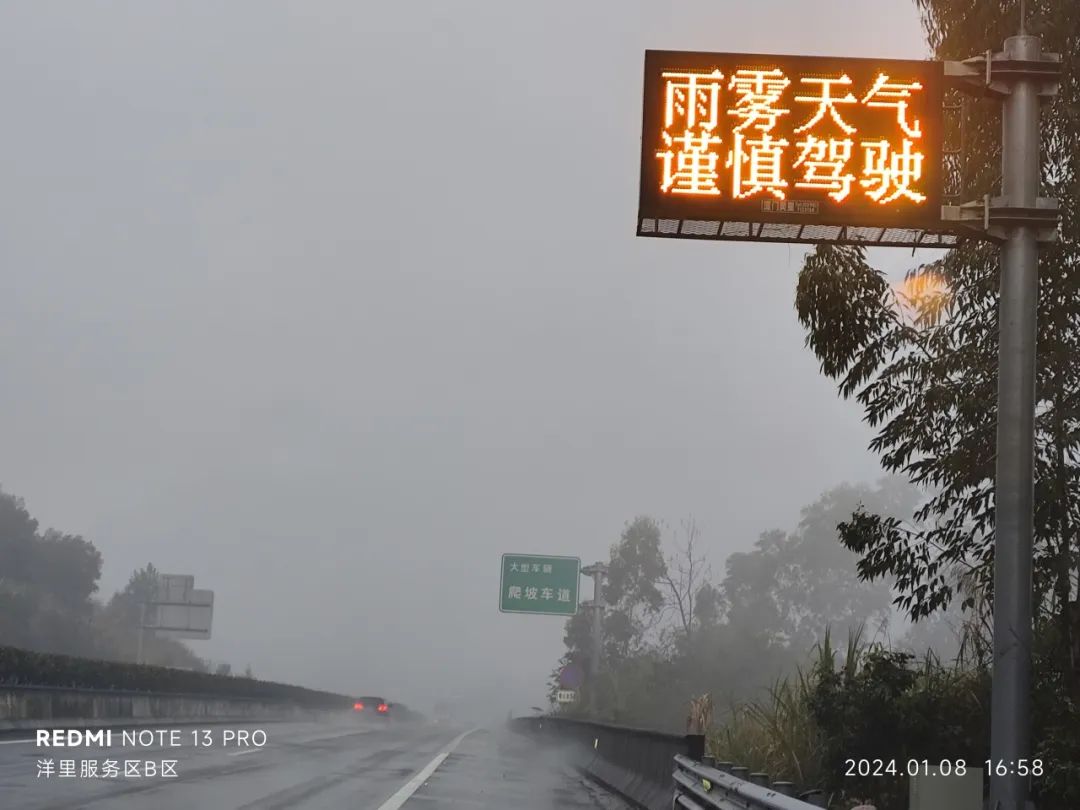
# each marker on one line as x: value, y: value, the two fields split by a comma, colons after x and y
x: 332, y: 303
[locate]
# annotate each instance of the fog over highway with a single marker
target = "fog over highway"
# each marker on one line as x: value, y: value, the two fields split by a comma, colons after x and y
x: 249, y: 336
x: 331, y: 304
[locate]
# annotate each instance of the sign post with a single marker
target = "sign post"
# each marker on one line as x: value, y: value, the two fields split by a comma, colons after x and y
x: 1021, y: 78
x: 1010, y: 703
x: 597, y: 571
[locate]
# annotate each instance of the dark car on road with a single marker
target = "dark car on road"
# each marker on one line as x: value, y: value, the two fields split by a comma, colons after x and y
x: 372, y: 707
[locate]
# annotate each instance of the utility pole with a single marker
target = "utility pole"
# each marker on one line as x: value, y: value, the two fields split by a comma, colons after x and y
x: 1020, y: 77
x: 597, y: 571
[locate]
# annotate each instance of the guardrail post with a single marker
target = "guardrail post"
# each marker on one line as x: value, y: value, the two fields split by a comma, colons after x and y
x: 760, y: 779
x: 725, y: 766
x: 740, y: 773
x: 815, y: 797
x: 695, y: 746
x: 784, y: 788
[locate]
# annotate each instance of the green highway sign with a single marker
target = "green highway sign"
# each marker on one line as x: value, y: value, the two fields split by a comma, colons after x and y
x: 534, y: 583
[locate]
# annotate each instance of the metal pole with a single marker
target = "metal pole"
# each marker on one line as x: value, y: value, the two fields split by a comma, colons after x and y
x: 598, y: 619
x: 142, y: 630
x: 594, y: 660
x: 596, y: 571
x: 1010, y: 734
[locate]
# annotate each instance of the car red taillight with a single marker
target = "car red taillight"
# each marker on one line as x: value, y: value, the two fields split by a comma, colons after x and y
x: 383, y: 707
x: 358, y: 706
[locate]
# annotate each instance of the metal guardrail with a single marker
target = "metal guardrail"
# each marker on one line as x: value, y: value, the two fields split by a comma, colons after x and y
x: 645, y: 752
x: 699, y: 787
x: 660, y: 771
x: 632, y: 763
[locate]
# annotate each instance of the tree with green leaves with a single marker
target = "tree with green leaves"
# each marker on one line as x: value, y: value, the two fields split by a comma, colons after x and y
x: 793, y: 586
x: 47, y: 582
x: 632, y: 591
x: 921, y: 360
x: 670, y: 633
x: 48, y: 586
x: 142, y: 586
x: 122, y: 617
x: 635, y: 604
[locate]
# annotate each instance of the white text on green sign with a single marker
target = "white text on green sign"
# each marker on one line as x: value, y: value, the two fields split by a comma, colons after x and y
x: 532, y: 583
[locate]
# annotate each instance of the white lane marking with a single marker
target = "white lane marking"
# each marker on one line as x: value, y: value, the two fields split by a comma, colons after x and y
x: 414, y: 784
x: 247, y: 751
x: 333, y: 736
x: 13, y: 742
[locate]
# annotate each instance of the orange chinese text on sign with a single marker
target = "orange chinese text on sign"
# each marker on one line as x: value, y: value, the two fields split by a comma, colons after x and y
x: 852, y: 138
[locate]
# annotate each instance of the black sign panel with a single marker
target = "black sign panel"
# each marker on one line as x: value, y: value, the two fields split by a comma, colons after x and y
x: 753, y: 138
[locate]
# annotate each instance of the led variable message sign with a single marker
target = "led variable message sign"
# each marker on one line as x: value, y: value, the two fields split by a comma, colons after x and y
x: 751, y: 138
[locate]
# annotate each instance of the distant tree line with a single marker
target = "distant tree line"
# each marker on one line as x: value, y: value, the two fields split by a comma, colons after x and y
x: 49, y: 603
x: 672, y: 630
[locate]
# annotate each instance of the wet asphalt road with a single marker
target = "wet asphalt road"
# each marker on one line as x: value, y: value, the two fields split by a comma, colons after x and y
x: 302, y: 765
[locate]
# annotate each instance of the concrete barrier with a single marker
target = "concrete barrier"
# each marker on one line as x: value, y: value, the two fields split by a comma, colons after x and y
x: 32, y: 707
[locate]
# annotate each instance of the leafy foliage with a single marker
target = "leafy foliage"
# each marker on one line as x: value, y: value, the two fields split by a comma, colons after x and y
x: 928, y: 386
x: 869, y: 702
x: 791, y: 586
x: 632, y: 589
x: 922, y: 360
x: 885, y: 705
x: 47, y: 580
x: 671, y: 633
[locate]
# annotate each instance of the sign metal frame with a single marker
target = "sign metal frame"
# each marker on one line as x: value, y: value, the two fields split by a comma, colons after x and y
x: 806, y: 216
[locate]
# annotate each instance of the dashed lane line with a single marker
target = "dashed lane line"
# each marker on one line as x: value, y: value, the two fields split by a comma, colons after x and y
x: 414, y: 784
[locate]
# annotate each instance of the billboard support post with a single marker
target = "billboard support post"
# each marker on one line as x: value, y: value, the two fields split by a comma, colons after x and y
x: 1010, y: 734
x: 1020, y: 77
